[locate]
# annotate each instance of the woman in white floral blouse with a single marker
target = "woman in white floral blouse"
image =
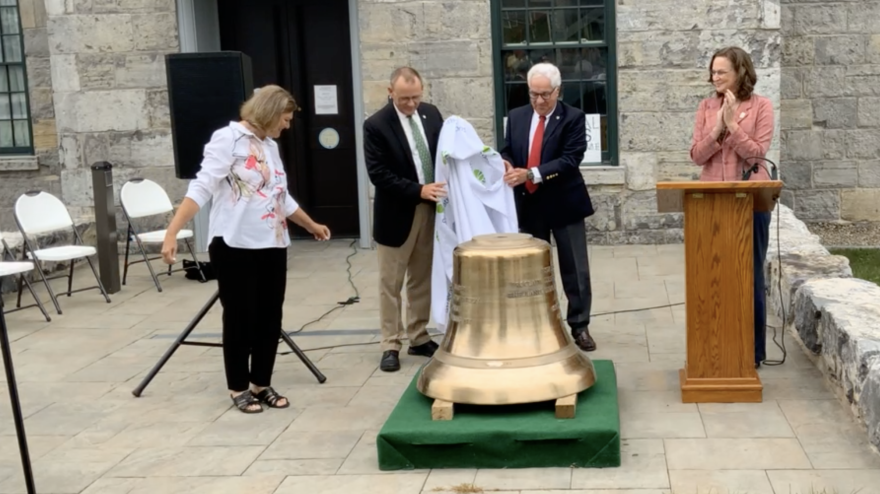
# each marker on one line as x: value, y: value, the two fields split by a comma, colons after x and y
x: 242, y: 172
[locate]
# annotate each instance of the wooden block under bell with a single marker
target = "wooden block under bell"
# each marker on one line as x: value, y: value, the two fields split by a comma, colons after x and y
x: 566, y: 406
x: 441, y: 410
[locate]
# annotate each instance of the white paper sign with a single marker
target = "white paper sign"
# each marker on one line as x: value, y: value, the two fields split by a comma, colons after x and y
x: 326, y: 102
x: 594, y: 139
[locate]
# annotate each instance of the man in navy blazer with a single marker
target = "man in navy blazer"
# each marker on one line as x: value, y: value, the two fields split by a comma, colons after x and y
x: 544, y: 145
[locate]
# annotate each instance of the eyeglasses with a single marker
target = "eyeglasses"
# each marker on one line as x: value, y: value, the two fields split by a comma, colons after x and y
x: 545, y: 95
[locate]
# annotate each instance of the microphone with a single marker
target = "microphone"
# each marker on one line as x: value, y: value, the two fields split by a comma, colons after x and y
x: 754, y: 169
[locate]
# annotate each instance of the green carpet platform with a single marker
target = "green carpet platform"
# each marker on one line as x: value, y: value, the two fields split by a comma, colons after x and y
x: 513, y: 436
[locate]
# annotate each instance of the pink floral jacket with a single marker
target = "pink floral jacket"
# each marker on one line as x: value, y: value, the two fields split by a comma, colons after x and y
x: 726, y: 161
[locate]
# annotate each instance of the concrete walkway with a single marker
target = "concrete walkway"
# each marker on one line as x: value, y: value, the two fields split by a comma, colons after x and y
x: 88, y: 434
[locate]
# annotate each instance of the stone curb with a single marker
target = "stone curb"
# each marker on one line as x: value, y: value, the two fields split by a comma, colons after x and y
x: 835, y: 316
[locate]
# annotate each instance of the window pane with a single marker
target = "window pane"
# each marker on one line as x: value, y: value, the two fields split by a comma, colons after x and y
x: 9, y: 20
x: 597, y: 3
x: 540, y: 4
x: 5, y: 107
x: 514, y: 27
x: 517, y: 96
x: 19, y: 105
x: 6, y: 134
x: 593, y: 24
x: 507, y: 4
x: 22, y: 135
x: 567, y: 3
x: 4, y: 81
x: 8, y: 2
x: 566, y: 26
x: 16, y: 79
x: 12, y: 48
x: 516, y: 65
x: 539, y: 26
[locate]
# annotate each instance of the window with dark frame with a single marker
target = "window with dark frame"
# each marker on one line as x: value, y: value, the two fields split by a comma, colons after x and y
x: 15, y: 125
x: 575, y: 35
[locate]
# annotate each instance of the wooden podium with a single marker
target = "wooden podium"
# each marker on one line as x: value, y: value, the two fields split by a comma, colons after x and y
x: 719, y: 286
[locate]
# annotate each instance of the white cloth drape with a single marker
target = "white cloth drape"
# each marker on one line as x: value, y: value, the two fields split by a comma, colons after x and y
x: 478, y: 202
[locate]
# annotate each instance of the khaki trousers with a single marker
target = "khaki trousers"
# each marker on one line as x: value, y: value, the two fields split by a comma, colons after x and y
x: 412, y: 260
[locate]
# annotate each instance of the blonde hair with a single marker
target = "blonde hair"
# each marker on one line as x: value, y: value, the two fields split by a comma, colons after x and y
x: 263, y: 109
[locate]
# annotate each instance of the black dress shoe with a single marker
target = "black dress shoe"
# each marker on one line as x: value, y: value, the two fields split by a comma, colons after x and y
x: 390, y: 361
x: 583, y: 340
x: 425, y: 349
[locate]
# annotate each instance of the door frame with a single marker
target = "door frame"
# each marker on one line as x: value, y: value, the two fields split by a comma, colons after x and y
x: 198, y: 30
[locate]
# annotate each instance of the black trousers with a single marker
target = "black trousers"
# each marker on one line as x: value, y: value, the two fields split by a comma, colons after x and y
x: 252, y: 283
x: 761, y: 242
x: 574, y: 266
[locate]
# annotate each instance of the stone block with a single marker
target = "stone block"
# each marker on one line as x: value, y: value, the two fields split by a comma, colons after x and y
x: 157, y: 109
x: 456, y: 20
x: 672, y: 15
x: 862, y: 17
x: 825, y: 81
x: 65, y: 73
x: 45, y: 134
x: 604, y: 175
x: 59, y: 7
x: 139, y: 149
x: 98, y: 70
x: 391, y: 22
x: 375, y: 95
x: 818, y: 19
x: 835, y: 174
x: 641, y: 237
x: 818, y: 205
x: 860, y: 205
x: 862, y: 144
x: 814, y: 145
x: 123, y: 6
x: 797, y: 175
x: 796, y: 114
x: 70, y: 151
x: 452, y: 58
x: 693, y: 49
x: 798, y: 50
x: 656, y: 131
x: 99, y: 111
x: 792, y: 83
x: 869, y: 112
x: 465, y: 97
x: 869, y: 174
x: 26, y: 13
x: 607, y: 202
x: 639, y: 212
x: 48, y: 159
x: 146, y: 71
x: 862, y: 80
x: 679, y: 89
x: 104, y: 33
x: 678, y: 171
x: 14, y: 184
x: 156, y: 31
x: 841, y: 50
x: 42, y: 103
x: 78, y: 192
x: 872, y: 52
x: 378, y: 60
x: 18, y: 163
x: 771, y: 14
x: 640, y: 170
x: 36, y: 42
x: 39, y: 72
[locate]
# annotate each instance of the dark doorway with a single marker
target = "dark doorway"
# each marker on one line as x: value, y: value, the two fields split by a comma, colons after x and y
x: 304, y: 46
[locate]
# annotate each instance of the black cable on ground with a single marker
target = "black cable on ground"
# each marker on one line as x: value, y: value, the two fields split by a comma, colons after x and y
x: 781, y: 299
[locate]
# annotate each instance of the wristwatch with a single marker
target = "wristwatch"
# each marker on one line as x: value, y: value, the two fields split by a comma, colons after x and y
x: 530, y: 176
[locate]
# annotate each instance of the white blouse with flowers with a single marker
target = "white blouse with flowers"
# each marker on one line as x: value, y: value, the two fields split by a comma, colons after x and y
x: 246, y: 180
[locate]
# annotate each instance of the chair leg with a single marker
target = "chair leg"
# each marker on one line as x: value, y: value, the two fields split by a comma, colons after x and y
x: 128, y: 235
x: 70, y: 279
x: 98, y: 279
x: 18, y: 303
x: 39, y: 267
x: 196, y: 259
x: 37, y: 299
x: 148, y: 263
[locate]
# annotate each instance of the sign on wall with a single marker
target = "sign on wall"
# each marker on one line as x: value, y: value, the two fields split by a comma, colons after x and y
x: 594, y: 139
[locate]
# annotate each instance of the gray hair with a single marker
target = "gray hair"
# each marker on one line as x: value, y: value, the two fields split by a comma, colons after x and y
x: 547, y: 70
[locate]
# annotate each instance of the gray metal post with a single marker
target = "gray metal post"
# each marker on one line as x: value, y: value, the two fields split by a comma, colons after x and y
x: 105, y: 226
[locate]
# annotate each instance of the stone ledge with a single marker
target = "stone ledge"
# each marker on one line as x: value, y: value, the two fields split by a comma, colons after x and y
x: 834, y: 316
x: 19, y: 163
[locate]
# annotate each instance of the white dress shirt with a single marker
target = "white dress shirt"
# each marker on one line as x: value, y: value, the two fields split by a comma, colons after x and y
x: 246, y: 180
x: 407, y: 129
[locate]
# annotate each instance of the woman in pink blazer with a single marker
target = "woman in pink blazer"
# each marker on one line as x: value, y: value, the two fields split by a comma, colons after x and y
x: 732, y: 131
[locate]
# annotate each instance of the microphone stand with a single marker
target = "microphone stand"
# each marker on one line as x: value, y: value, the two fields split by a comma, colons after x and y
x: 17, y: 416
x: 754, y: 169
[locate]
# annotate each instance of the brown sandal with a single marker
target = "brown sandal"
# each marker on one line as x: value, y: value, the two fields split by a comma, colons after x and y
x: 271, y: 398
x: 246, y: 401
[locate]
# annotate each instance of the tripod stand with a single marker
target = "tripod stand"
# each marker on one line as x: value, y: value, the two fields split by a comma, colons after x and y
x: 16, y: 407
x: 181, y: 340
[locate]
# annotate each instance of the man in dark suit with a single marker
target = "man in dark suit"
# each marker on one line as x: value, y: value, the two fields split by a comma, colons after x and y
x: 400, y: 144
x: 544, y: 145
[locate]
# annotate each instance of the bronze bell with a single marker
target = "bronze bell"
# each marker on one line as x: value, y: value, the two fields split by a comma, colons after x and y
x: 506, y: 342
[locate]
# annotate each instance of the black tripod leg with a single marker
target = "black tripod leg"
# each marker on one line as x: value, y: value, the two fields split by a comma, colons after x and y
x: 302, y: 356
x: 16, y: 408
x: 180, y: 339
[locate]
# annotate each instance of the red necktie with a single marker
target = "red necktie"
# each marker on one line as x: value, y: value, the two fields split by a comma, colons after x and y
x: 535, y: 153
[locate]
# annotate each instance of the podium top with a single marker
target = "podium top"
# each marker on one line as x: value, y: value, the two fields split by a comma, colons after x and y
x: 670, y: 195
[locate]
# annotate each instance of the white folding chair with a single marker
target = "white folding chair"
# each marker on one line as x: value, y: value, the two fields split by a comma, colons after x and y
x: 10, y: 268
x: 141, y: 198
x: 39, y: 212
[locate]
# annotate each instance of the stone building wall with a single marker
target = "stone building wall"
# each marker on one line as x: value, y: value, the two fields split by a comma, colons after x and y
x: 21, y: 173
x: 111, y: 100
x: 831, y: 109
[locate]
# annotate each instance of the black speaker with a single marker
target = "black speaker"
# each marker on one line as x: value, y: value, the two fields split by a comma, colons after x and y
x: 205, y: 93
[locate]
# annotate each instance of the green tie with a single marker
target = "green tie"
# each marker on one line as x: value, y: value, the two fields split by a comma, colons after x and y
x: 422, y: 148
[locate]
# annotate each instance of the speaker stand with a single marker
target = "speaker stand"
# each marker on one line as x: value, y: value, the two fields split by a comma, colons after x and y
x: 17, y: 416
x: 181, y: 340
